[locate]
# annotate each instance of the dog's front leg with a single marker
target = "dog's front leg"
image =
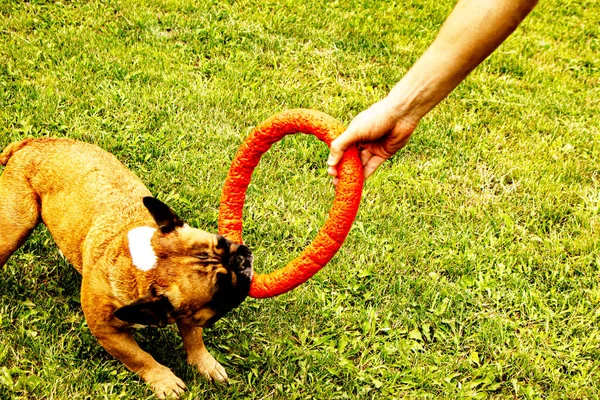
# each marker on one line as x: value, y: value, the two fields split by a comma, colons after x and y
x: 198, y: 355
x: 121, y: 345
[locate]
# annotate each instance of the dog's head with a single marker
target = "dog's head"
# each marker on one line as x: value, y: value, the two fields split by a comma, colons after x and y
x: 196, y: 277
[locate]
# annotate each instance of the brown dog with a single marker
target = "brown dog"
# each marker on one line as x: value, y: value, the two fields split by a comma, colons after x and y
x: 141, y: 265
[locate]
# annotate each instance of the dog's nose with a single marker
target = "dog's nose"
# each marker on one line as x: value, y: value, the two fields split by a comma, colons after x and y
x: 240, y: 258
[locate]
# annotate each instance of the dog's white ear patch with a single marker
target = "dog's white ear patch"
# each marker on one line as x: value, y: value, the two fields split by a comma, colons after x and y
x: 143, y: 256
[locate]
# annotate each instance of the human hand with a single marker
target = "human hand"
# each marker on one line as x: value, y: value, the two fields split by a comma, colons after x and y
x: 379, y: 132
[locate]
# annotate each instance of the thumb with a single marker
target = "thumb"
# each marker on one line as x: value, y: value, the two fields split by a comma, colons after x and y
x: 338, y: 147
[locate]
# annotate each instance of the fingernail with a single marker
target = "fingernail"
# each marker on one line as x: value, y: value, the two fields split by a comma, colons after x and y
x: 331, y: 160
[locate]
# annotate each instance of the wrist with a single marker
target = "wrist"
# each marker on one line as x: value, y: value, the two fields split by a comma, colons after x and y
x: 425, y: 85
x: 410, y: 98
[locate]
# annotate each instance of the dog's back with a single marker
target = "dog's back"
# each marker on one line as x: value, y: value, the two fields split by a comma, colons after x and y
x: 55, y: 164
x: 61, y: 181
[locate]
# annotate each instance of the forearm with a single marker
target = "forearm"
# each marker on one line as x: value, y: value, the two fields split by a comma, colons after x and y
x: 474, y: 29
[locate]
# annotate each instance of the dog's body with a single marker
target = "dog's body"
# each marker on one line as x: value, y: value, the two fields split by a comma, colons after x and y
x: 140, y: 264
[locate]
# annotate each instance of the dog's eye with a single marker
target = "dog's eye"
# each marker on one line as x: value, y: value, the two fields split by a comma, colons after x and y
x: 202, y: 256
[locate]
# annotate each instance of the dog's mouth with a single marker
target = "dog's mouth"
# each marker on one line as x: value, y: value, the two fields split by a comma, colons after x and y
x: 248, y: 271
x: 240, y: 261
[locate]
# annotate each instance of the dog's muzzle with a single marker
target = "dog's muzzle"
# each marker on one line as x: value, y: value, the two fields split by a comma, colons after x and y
x: 240, y: 260
x: 239, y: 257
x: 230, y: 294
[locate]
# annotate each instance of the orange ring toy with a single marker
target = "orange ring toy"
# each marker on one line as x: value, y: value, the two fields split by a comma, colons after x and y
x: 341, y: 216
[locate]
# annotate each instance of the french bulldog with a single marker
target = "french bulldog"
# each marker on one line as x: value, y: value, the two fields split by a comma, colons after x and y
x: 141, y: 265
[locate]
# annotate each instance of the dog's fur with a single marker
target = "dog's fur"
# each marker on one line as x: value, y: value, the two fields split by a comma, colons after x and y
x: 140, y: 264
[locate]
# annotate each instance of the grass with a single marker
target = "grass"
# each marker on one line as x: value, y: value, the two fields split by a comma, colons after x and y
x: 472, y: 270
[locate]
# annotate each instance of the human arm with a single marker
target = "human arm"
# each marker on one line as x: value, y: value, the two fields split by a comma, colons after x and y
x: 472, y: 31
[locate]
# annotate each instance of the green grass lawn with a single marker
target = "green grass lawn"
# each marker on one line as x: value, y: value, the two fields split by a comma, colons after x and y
x: 473, y: 267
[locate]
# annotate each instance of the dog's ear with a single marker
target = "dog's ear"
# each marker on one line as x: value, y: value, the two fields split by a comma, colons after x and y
x: 152, y: 310
x: 165, y: 218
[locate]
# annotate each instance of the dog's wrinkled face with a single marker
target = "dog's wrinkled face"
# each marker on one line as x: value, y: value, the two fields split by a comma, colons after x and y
x: 205, y: 275
x: 197, y: 277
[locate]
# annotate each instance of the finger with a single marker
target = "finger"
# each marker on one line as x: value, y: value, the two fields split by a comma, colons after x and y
x: 365, y: 156
x: 332, y: 171
x: 372, y: 164
x: 338, y: 147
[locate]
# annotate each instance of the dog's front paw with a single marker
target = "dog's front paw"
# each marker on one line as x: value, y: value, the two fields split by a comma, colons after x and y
x: 164, y: 383
x: 210, y: 368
